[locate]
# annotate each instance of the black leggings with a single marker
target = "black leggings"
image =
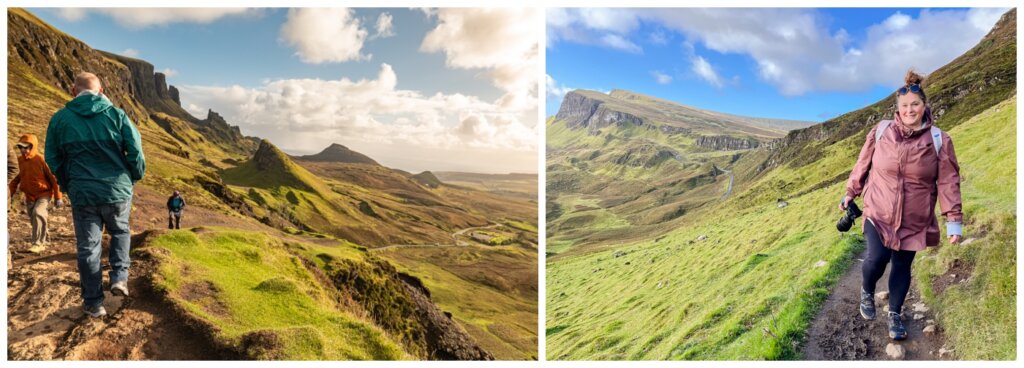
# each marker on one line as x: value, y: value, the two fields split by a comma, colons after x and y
x: 874, y: 267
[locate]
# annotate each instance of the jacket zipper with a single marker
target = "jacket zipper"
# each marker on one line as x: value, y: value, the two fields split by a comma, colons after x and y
x: 898, y: 208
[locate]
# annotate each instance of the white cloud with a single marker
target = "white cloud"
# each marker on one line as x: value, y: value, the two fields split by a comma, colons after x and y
x: 658, y: 37
x: 660, y: 77
x: 897, y: 21
x: 618, y: 42
x: 705, y: 71
x: 553, y: 89
x: 130, y: 53
x: 325, y: 35
x: 500, y: 41
x: 146, y: 17
x: 366, y: 110
x: 593, y: 26
x: 793, y: 49
x: 384, y: 27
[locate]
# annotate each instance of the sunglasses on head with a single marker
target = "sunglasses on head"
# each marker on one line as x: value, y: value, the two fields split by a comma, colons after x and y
x: 916, y: 88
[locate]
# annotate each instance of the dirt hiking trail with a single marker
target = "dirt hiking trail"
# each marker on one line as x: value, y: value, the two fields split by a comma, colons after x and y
x: 45, y: 318
x: 838, y: 332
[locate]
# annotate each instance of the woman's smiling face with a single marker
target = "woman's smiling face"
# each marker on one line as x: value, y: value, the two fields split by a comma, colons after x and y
x: 911, y: 109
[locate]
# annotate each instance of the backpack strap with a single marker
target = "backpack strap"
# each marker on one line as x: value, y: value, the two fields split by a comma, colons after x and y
x: 882, y: 126
x: 935, y: 132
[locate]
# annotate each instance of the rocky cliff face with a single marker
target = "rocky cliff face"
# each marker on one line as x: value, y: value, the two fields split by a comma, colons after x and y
x: 36, y: 50
x: 217, y: 130
x: 173, y: 93
x: 579, y: 111
x: 725, y: 143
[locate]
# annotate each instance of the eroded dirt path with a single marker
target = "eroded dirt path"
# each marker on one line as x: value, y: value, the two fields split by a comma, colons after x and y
x: 45, y: 318
x: 839, y: 333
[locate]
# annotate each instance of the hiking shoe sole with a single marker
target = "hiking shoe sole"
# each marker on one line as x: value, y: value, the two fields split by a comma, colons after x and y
x: 95, y: 313
x: 119, y: 289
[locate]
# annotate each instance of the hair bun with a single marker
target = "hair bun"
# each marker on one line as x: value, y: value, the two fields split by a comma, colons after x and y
x: 912, y: 78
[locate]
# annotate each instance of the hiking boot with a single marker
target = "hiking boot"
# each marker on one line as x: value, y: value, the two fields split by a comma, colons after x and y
x: 867, y: 305
x: 37, y: 248
x: 119, y: 288
x: 95, y: 312
x: 896, y: 330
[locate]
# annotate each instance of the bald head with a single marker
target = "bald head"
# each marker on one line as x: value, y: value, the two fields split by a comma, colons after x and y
x: 87, y: 81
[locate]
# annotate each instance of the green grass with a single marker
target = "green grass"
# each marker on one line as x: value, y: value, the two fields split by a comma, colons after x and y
x: 488, y: 290
x: 750, y: 290
x: 979, y: 314
x: 520, y: 225
x: 247, y: 283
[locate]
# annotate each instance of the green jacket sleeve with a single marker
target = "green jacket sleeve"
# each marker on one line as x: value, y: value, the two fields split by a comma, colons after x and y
x: 54, y: 156
x: 132, y: 145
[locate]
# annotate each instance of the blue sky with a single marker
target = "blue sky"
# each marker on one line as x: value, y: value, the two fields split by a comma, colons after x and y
x: 801, y: 64
x: 417, y: 95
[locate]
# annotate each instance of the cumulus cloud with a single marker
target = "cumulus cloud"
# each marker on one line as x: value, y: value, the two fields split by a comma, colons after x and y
x: 661, y: 77
x: 594, y: 26
x: 130, y: 53
x: 621, y: 43
x: 705, y: 71
x: 331, y: 35
x: 366, y: 110
x: 384, y: 27
x: 793, y: 49
x: 554, y: 89
x: 502, y: 42
x: 137, y: 18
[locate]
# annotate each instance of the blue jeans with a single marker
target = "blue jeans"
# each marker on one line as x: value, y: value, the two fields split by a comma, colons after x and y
x: 89, y: 224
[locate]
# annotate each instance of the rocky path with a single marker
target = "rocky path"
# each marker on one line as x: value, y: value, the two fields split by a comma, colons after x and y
x: 45, y: 319
x: 838, y: 332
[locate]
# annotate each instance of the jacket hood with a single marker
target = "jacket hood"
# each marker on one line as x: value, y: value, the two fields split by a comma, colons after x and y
x: 88, y: 104
x: 30, y: 139
x: 926, y: 122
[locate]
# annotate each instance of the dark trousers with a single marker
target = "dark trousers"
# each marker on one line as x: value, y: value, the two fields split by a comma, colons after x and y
x: 874, y: 267
x: 89, y: 224
x: 174, y: 219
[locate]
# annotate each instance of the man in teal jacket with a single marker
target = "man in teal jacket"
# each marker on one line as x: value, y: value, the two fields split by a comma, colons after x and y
x: 95, y: 152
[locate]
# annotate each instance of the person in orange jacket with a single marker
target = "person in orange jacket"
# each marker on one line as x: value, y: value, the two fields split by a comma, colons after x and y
x: 39, y: 185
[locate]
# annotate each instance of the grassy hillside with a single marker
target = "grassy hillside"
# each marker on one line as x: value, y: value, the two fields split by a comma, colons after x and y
x: 259, y: 299
x: 259, y: 295
x: 491, y: 292
x: 974, y: 286
x: 749, y: 289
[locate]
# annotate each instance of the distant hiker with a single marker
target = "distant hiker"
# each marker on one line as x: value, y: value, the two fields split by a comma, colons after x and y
x: 96, y: 153
x: 906, y: 164
x: 174, y: 206
x: 40, y: 187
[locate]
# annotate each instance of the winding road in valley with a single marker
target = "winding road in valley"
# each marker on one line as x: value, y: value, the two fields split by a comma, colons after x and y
x: 455, y: 235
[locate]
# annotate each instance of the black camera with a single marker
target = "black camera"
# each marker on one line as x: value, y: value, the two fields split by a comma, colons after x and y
x: 852, y: 213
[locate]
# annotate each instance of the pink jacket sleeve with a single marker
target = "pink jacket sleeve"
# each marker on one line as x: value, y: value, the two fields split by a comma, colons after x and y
x: 949, y: 182
x: 859, y: 175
